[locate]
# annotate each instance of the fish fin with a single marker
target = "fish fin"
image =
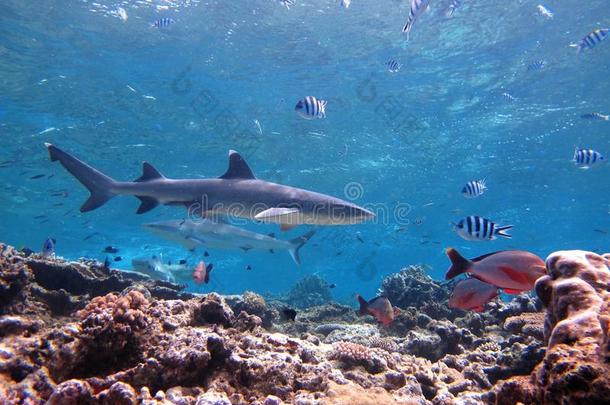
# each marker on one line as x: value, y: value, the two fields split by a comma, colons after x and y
x: 148, y: 203
x: 479, y: 258
x: 98, y: 184
x: 511, y: 291
x: 149, y: 173
x: 297, y: 244
x: 459, y: 264
x: 276, y: 214
x: 500, y: 231
x: 364, y: 306
x: 245, y: 248
x: 238, y: 168
x: 195, y: 240
x: 286, y: 227
x: 271, y: 251
x: 271, y: 235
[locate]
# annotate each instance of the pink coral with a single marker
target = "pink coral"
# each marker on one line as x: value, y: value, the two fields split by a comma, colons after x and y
x: 374, y: 360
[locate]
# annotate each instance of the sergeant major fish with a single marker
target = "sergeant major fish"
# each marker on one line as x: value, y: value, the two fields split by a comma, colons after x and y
x: 311, y: 108
x: 418, y: 7
x: 476, y: 228
x: 585, y: 158
x: 474, y: 188
x: 591, y: 40
x: 163, y: 22
x: 452, y: 7
x: 595, y: 116
x: 393, y: 66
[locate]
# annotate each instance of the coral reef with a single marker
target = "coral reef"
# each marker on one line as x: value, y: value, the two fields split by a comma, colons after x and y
x: 412, y: 287
x: 575, y: 368
x: 308, y: 292
x: 46, y: 284
x: 131, y: 346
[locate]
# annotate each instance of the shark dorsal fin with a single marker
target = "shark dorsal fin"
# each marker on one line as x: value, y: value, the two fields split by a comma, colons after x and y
x: 238, y: 168
x: 149, y: 173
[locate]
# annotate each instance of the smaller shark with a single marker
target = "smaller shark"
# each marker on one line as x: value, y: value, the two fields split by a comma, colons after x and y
x: 211, y: 234
x: 156, y: 269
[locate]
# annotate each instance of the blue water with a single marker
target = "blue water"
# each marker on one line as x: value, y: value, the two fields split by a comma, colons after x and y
x: 116, y: 93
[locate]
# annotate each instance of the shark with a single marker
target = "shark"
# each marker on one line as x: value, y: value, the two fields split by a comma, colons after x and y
x: 236, y: 193
x: 213, y: 234
x: 156, y: 269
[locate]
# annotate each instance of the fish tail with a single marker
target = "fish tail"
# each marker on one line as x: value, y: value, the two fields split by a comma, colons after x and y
x: 501, y: 231
x: 578, y: 47
x: 99, y: 185
x: 364, y: 306
x: 459, y: 264
x: 298, y: 243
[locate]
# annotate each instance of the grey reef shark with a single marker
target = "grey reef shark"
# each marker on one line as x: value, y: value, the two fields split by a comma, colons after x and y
x: 236, y: 193
x: 219, y: 235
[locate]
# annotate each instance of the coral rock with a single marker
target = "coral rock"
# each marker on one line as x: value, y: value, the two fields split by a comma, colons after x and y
x: 575, y: 368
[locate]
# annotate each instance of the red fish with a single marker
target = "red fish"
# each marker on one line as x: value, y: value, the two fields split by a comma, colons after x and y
x: 472, y: 294
x: 201, y: 273
x: 514, y: 271
x: 379, y: 307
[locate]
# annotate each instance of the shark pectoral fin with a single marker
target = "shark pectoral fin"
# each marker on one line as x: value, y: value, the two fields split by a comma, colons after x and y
x: 278, y: 215
x: 286, y: 227
x: 148, y: 203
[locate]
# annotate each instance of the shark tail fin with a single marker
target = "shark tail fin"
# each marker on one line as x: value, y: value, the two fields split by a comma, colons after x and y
x: 99, y: 185
x: 297, y: 244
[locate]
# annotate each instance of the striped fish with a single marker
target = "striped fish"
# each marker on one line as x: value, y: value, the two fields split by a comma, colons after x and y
x: 474, y: 188
x: 311, y: 108
x: 417, y: 9
x: 163, y: 22
x: 287, y: 3
x: 585, y: 158
x: 476, y: 228
x: 452, y: 7
x: 508, y: 97
x: 595, y: 116
x: 592, y: 39
x: 393, y: 66
x: 536, y: 65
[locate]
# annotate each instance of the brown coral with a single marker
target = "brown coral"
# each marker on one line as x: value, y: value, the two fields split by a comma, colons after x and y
x: 576, y: 295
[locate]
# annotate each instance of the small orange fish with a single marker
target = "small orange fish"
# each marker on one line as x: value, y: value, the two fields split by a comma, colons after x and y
x: 472, y: 294
x: 201, y: 273
x: 380, y: 307
x: 514, y: 271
